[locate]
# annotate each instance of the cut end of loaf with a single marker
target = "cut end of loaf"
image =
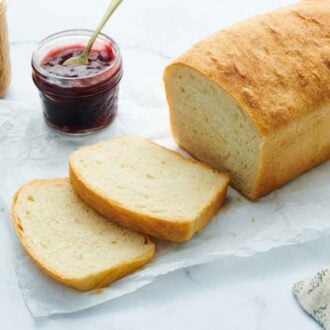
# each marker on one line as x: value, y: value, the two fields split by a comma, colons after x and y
x: 146, y: 187
x: 210, y: 125
x: 70, y: 241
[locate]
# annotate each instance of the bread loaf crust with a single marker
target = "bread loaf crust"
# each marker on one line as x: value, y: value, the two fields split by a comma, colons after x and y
x: 292, y: 151
x: 276, y: 66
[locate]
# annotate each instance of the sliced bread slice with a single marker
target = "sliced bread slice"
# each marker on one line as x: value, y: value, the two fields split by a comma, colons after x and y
x: 71, y: 242
x: 143, y: 186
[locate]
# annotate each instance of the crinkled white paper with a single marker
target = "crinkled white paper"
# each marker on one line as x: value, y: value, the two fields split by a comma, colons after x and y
x: 296, y: 213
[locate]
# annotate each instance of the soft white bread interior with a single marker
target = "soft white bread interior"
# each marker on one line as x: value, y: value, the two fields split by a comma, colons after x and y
x: 254, y: 99
x: 146, y: 187
x: 209, y: 124
x: 70, y: 241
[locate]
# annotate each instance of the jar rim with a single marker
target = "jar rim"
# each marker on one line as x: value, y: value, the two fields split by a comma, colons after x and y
x: 74, y: 32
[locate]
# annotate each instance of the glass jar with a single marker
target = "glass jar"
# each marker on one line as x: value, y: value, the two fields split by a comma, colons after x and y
x: 77, y: 104
x: 4, y: 50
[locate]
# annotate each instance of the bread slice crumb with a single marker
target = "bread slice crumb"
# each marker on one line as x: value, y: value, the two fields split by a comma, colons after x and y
x: 71, y: 242
x: 145, y: 187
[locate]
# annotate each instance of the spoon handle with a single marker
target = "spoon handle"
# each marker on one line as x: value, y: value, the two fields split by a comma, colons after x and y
x: 113, y: 6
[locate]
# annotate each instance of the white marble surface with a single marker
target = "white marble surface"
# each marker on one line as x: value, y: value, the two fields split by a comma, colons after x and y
x: 253, y: 293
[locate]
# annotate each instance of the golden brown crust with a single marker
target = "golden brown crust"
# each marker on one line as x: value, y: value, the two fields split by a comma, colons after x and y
x: 161, y: 228
x: 86, y: 283
x: 292, y: 151
x: 276, y: 65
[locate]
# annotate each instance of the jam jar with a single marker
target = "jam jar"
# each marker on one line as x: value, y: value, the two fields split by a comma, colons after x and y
x: 77, y: 99
x: 4, y: 50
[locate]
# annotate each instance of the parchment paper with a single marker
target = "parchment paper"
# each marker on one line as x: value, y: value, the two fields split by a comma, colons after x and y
x: 296, y: 213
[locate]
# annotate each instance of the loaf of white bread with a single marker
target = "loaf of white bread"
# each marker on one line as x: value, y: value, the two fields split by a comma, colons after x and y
x: 71, y: 242
x: 145, y: 187
x: 254, y: 99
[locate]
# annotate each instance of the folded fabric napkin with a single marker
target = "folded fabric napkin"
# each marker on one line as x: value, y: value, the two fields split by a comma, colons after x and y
x: 313, y: 294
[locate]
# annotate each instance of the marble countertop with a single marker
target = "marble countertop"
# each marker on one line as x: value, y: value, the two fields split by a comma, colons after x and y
x: 243, y: 293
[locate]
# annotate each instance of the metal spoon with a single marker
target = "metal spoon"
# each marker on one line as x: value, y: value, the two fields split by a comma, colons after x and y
x: 82, y: 59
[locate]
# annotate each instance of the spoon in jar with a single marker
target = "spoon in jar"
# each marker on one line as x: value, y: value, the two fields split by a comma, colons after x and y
x: 82, y: 59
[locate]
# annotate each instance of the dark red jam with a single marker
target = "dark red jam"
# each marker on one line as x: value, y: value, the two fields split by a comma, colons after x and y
x: 79, y: 99
x: 99, y: 60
